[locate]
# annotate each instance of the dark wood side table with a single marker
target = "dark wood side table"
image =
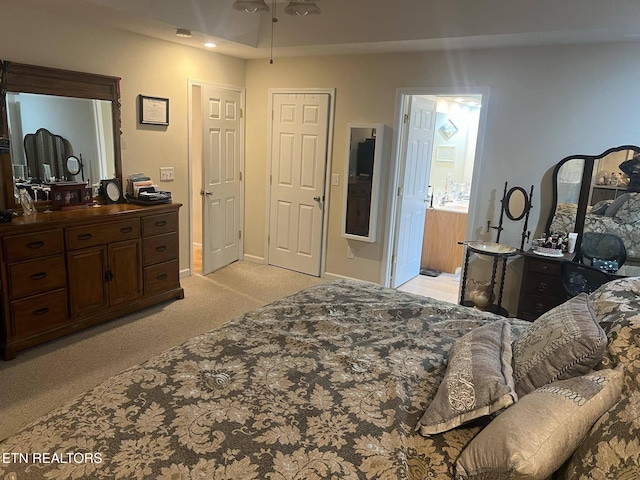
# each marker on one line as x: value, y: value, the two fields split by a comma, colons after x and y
x: 541, y: 288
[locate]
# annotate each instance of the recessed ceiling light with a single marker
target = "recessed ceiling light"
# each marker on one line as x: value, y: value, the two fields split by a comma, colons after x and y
x: 183, y: 32
x: 210, y: 45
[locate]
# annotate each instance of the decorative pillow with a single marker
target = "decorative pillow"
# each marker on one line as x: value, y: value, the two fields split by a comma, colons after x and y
x: 532, y: 438
x: 617, y: 307
x: 600, y: 207
x: 629, y: 212
x: 478, y: 380
x: 618, y: 296
x: 616, y: 205
x: 611, y: 448
x: 562, y: 343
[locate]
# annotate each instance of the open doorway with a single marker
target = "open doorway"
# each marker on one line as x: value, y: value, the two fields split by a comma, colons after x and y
x: 216, y: 139
x: 437, y: 160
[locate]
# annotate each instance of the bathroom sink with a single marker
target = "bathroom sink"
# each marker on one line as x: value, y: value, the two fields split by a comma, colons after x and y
x: 491, y: 248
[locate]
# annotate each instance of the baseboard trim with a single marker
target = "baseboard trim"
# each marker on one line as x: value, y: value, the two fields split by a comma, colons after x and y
x: 253, y: 259
x: 335, y: 276
x: 185, y: 273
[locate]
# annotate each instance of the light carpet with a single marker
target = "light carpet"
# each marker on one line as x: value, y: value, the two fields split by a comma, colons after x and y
x: 46, y: 376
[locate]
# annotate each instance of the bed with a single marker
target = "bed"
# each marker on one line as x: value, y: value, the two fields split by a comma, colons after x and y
x: 330, y: 382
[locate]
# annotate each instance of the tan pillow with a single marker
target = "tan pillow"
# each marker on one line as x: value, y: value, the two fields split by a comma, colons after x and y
x: 564, y: 342
x: 478, y: 380
x: 532, y: 439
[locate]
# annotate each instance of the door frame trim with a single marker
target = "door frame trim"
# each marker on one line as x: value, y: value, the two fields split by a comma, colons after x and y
x: 327, y: 174
x: 241, y: 156
x: 397, y: 145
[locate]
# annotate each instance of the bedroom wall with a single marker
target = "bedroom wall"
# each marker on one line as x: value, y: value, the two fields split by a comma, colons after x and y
x: 50, y: 37
x: 545, y: 103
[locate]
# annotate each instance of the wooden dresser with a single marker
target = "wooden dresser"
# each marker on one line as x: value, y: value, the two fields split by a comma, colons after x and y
x: 67, y: 270
x: 541, y: 288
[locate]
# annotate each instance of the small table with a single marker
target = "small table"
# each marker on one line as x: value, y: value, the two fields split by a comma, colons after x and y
x: 498, y: 252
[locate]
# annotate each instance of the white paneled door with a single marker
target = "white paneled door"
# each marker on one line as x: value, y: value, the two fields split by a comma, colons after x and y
x: 414, y: 189
x: 220, y: 177
x: 298, y: 166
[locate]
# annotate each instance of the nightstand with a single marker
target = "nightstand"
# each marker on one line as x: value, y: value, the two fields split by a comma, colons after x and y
x: 541, y: 288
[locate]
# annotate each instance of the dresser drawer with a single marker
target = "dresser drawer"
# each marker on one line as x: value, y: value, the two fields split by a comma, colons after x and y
x: 39, y: 313
x: 545, y: 286
x: 37, y: 276
x: 548, y: 267
x: 533, y: 306
x: 158, y: 224
x: 33, y: 245
x: 161, y: 277
x: 92, y: 235
x: 159, y: 248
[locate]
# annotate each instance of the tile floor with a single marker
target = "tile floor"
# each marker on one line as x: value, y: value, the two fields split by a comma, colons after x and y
x: 443, y: 287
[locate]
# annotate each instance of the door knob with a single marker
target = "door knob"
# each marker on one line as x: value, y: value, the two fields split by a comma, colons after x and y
x: 205, y: 192
x: 317, y: 198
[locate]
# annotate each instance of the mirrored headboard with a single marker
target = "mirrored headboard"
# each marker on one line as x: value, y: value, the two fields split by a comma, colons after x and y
x: 82, y: 108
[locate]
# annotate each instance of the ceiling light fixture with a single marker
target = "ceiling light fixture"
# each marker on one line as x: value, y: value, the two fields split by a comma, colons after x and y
x: 302, y: 8
x: 250, y: 6
x: 183, y: 32
x: 210, y: 45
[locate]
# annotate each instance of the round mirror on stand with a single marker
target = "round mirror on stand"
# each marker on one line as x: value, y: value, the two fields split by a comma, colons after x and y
x: 75, y: 166
x: 516, y: 203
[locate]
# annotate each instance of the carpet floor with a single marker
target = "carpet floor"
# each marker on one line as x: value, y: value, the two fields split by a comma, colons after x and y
x: 46, y: 376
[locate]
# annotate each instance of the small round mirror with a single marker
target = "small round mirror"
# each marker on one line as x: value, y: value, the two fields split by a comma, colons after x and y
x: 73, y: 165
x: 516, y: 203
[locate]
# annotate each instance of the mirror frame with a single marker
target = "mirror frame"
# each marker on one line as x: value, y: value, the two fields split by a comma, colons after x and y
x: 375, y: 181
x: 585, y: 184
x: 507, y: 200
x: 23, y: 78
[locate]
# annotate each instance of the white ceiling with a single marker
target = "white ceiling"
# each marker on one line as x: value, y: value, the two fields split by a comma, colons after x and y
x: 368, y: 26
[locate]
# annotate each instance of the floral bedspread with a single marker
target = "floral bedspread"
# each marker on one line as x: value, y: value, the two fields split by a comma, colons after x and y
x: 327, y: 383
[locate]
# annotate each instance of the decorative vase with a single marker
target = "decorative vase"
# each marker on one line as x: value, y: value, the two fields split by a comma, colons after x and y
x: 482, y: 295
x: 27, y: 202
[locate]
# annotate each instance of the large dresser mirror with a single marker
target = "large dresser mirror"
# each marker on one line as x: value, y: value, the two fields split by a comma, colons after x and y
x: 599, y: 193
x: 60, y: 126
x: 362, y: 174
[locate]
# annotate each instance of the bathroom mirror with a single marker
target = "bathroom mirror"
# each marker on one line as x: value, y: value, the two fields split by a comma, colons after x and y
x: 362, y: 180
x: 516, y: 203
x: 80, y: 112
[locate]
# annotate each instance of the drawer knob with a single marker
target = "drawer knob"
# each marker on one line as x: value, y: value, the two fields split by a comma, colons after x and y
x: 161, y: 248
x: 539, y: 307
x: 542, y: 286
x: 36, y: 244
x: 38, y: 276
x: 41, y: 311
x: 126, y: 229
x: 84, y: 236
x: 161, y: 223
x: 545, y: 267
x: 162, y: 276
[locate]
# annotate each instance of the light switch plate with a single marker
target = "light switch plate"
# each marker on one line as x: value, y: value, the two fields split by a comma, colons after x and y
x: 335, y: 179
x: 166, y: 174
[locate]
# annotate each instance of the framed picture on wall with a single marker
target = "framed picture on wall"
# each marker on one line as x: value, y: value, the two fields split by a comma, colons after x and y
x: 448, y: 129
x: 154, y: 110
x: 446, y: 153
